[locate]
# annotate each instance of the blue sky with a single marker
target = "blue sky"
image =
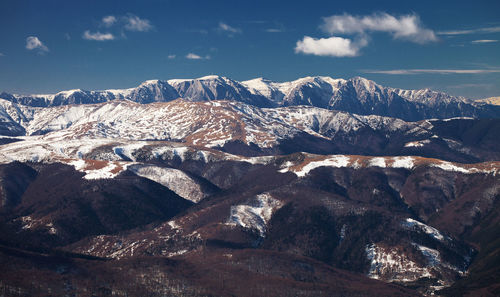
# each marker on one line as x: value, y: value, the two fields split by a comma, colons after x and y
x: 47, y: 46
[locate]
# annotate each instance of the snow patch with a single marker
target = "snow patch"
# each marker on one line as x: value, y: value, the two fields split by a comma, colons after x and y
x: 27, y: 222
x: 433, y: 256
x: 173, y: 224
x: 255, y: 214
x: 174, y: 179
x: 391, y: 264
x: 177, y: 253
x: 98, y: 171
x: 419, y: 143
x: 52, y: 230
x: 337, y: 161
x: 128, y: 150
x: 433, y: 232
x: 377, y: 162
x: 402, y: 162
x: 451, y: 167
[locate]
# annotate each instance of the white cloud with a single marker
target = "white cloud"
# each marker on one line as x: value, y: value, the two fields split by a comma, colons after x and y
x: 98, y: 36
x: 433, y: 71
x: 135, y: 23
x: 228, y: 29
x: 109, y: 21
x: 406, y: 27
x: 470, y: 31
x: 170, y: 57
x: 333, y: 46
x: 129, y: 22
x: 2, y: 55
x: 192, y: 56
x: 33, y: 43
x: 484, y: 41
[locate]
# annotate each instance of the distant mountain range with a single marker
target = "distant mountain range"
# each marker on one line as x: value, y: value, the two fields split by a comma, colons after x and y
x: 356, y: 95
x: 490, y: 100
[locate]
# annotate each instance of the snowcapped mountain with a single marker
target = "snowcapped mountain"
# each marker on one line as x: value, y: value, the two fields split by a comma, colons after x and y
x: 313, y: 91
x: 491, y: 100
x: 213, y: 187
x: 356, y: 95
x: 215, y: 87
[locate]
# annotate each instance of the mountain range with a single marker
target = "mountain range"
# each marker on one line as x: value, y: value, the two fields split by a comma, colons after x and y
x: 213, y: 187
x: 356, y: 95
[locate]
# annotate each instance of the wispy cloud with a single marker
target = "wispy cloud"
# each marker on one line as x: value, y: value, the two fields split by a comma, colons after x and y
x: 274, y: 30
x: 135, y: 23
x: 225, y: 28
x: 470, y: 31
x: 468, y: 86
x: 2, y: 55
x: 408, y: 27
x: 33, y: 43
x: 200, y: 31
x: 484, y: 41
x: 432, y: 71
x: 108, y: 21
x: 332, y: 46
x: 276, y: 27
x: 192, y: 56
x: 98, y: 36
x: 171, y: 57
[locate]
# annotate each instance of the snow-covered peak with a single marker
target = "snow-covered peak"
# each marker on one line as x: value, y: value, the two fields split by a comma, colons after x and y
x: 120, y: 93
x: 428, y: 96
x: 257, y: 79
x: 69, y: 92
x: 211, y: 77
x: 318, y: 81
x: 276, y: 91
x: 150, y: 82
x: 261, y: 86
x: 367, y: 84
x: 203, y: 78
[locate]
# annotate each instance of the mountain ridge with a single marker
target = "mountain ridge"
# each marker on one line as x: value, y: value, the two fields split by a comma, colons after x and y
x: 355, y: 95
x: 248, y: 130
